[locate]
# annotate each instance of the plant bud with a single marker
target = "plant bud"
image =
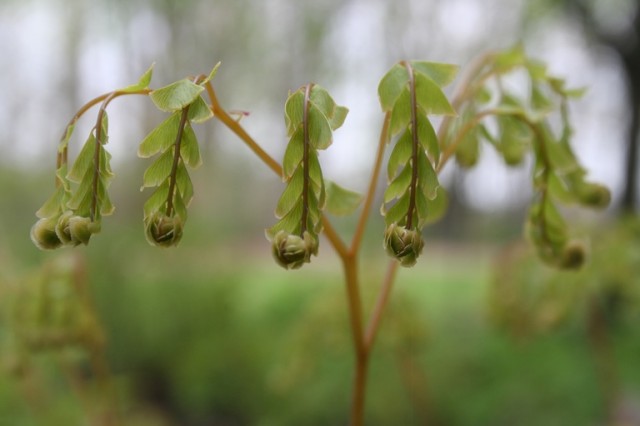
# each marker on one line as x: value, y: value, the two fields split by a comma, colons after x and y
x: 62, y: 228
x: 74, y: 230
x: 594, y: 195
x: 513, y: 153
x: 468, y: 152
x: 573, y: 256
x: 44, y: 236
x: 162, y: 230
x: 403, y: 244
x: 292, y: 251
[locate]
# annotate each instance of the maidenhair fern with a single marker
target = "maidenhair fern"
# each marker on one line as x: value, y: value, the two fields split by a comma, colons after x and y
x: 409, y: 92
x: 311, y: 115
x: 516, y: 125
x: 165, y: 212
x: 532, y: 129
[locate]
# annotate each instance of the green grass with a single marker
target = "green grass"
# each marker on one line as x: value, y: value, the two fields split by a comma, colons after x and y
x: 215, y: 333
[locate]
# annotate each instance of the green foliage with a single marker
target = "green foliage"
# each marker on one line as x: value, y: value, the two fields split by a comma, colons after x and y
x: 142, y: 84
x: 311, y: 115
x: 52, y: 310
x: 176, y: 146
x: 527, y: 298
x: 340, y: 201
x: 72, y: 214
x: 535, y: 126
x: 524, y: 125
x: 409, y: 92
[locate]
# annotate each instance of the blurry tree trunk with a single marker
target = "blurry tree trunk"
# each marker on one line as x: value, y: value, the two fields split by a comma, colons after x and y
x: 632, y: 67
x: 626, y: 43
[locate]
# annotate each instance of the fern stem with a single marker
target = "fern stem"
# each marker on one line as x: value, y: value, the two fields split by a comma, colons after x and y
x: 176, y: 160
x: 414, y: 148
x: 305, y: 160
x: 368, y: 201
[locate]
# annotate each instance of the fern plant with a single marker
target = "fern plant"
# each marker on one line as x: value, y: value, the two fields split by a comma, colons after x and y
x: 410, y: 93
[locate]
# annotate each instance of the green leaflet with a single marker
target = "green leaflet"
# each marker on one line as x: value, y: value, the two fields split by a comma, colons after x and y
x: 293, y: 154
x: 399, y: 185
x: 391, y: 85
x: 428, y: 138
x: 341, y: 201
x: 182, y: 93
x: 64, y: 142
x: 199, y: 111
x: 320, y: 134
x: 189, y: 148
x: 160, y: 138
x: 401, y: 113
x: 334, y: 114
x: 158, y: 199
x: 310, y: 116
x: 84, y: 160
x: 294, y: 111
x: 400, y: 154
x: 56, y: 204
x: 158, y: 171
x: 176, y: 96
x: 441, y: 74
x: 291, y: 194
x: 468, y: 150
x: 142, y: 83
x: 429, y: 77
x: 507, y: 60
x: 430, y: 96
x: 328, y: 116
x: 212, y: 74
x: 427, y: 177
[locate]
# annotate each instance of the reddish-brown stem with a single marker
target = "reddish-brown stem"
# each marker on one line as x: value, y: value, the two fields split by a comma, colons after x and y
x: 61, y: 157
x: 371, y: 192
x: 236, y: 128
x: 381, y: 303
x: 415, y: 143
x: 239, y: 131
x: 305, y: 160
x: 176, y: 160
x: 473, y: 80
x: 354, y: 301
x: 453, y: 146
x: 362, y: 342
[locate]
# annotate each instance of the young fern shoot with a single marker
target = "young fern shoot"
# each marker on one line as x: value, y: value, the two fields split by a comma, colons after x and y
x: 409, y: 92
x: 165, y: 212
x: 71, y: 215
x: 311, y: 115
x: 525, y: 125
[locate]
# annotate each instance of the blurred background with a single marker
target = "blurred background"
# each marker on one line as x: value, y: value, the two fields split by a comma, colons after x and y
x: 214, y: 333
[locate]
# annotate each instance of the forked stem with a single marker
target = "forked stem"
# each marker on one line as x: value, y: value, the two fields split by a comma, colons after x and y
x: 363, y: 339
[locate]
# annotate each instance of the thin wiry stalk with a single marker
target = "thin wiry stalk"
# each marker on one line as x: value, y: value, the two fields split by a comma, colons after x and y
x: 176, y: 160
x: 415, y: 144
